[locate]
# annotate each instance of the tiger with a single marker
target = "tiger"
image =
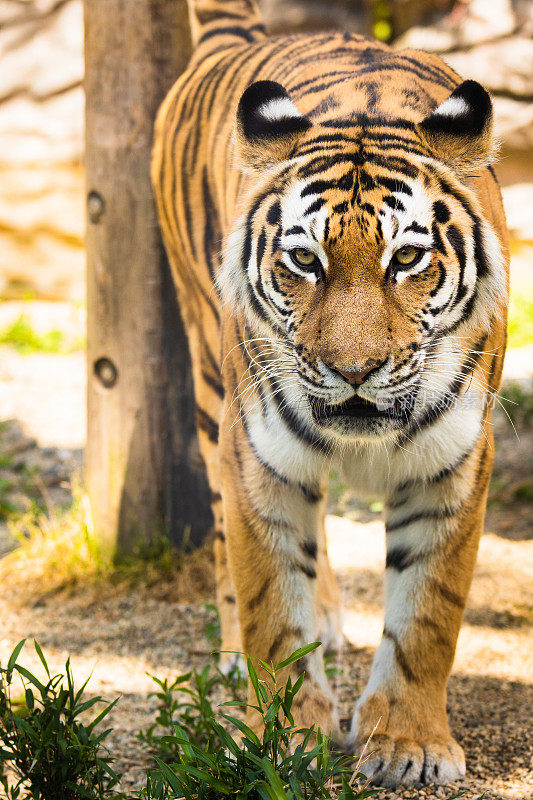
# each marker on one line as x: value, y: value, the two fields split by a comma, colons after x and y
x: 336, y: 235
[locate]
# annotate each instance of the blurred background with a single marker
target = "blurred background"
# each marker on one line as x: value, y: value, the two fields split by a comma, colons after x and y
x: 42, y: 386
x: 42, y: 260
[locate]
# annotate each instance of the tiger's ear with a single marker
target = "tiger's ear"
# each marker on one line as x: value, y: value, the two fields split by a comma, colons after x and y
x: 459, y: 131
x: 267, y: 126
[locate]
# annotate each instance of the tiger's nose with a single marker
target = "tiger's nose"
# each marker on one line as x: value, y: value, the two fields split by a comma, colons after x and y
x: 356, y: 377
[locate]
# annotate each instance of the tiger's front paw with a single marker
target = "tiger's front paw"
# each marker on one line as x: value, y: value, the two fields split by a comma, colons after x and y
x: 407, y: 748
x: 401, y: 761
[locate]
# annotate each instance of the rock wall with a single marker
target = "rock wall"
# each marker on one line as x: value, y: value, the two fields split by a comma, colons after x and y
x: 41, y: 149
x: 491, y: 41
x: 41, y: 111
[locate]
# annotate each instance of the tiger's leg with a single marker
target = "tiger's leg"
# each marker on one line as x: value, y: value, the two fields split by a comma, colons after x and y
x: 231, y: 646
x: 328, y: 601
x: 272, y: 530
x: 432, y: 540
x: 209, y: 401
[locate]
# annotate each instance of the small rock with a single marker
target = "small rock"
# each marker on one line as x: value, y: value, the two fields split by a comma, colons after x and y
x: 504, y: 66
x: 518, y: 201
x: 19, y: 445
x: 513, y: 123
x: 43, y: 56
x: 482, y: 22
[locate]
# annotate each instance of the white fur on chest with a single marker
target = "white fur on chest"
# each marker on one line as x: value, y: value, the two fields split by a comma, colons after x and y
x: 376, y: 469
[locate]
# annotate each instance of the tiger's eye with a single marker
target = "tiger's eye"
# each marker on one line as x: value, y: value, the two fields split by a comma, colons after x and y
x: 305, y: 258
x: 407, y: 255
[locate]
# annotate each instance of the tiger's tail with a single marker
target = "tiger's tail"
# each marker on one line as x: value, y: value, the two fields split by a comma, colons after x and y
x: 216, y: 24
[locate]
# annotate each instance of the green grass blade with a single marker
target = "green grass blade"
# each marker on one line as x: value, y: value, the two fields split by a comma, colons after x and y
x: 300, y: 653
x: 92, y: 725
x: 31, y: 678
x: 243, y: 727
x: 40, y: 653
x: 13, y: 658
x: 206, y: 777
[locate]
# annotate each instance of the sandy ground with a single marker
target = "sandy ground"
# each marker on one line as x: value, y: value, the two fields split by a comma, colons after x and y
x: 121, y: 635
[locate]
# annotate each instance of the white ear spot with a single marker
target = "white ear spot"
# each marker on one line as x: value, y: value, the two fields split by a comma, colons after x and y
x: 452, y: 107
x: 277, y: 109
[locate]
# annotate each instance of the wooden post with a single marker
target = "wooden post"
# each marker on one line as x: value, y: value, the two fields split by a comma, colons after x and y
x: 144, y: 473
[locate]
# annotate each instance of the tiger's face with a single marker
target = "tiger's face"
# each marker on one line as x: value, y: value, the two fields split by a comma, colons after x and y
x: 365, y: 267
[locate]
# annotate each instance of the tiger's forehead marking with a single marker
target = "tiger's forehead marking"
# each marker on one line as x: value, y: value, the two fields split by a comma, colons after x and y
x: 350, y: 203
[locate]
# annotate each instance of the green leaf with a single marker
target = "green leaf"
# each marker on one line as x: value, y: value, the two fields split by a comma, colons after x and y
x: 234, y: 703
x: 206, y: 777
x: 79, y: 709
x: 278, y: 790
x: 300, y: 653
x: 170, y: 776
x: 40, y: 653
x: 226, y: 738
x: 13, y: 658
x: 101, y: 715
x: 298, y: 684
x: 255, y: 681
x: 31, y: 678
x: 264, y: 790
x: 243, y: 727
x: 268, y: 668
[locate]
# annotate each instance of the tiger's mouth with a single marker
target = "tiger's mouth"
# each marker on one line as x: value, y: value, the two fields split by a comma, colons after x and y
x: 358, y: 408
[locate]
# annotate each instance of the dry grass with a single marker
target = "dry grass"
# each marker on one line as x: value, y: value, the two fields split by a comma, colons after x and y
x: 58, y: 554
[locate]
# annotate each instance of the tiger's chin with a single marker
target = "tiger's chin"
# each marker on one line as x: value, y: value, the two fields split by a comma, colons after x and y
x: 361, y: 418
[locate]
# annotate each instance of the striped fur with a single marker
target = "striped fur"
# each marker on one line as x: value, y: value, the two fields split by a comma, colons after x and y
x: 338, y: 146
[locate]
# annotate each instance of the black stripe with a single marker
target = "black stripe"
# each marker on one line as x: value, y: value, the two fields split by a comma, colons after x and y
x: 311, y: 495
x: 294, y: 423
x: 440, y: 282
x: 441, y: 211
x: 315, y: 206
x: 233, y: 30
x: 416, y: 228
x: 433, y: 413
x: 436, y: 514
x: 394, y: 185
x: 214, y: 383
x: 274, y: 213
x: 257, y: 598
x: 446, y: 471
x: 294, y: 229
x: 400, y: 655
x: 246, y: 255
x: 309, y: 547
x: 400, y: 558
x: 448, y: 594
x: 308, y: 571
x: 456, y: 240
x: 317, y: 187
x: 207, y: 15
x: 207, y: 424
x: 297, y: 633
x: 212, y: 234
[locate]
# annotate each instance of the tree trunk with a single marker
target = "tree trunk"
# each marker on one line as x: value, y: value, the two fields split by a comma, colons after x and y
x: 144, y: 473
